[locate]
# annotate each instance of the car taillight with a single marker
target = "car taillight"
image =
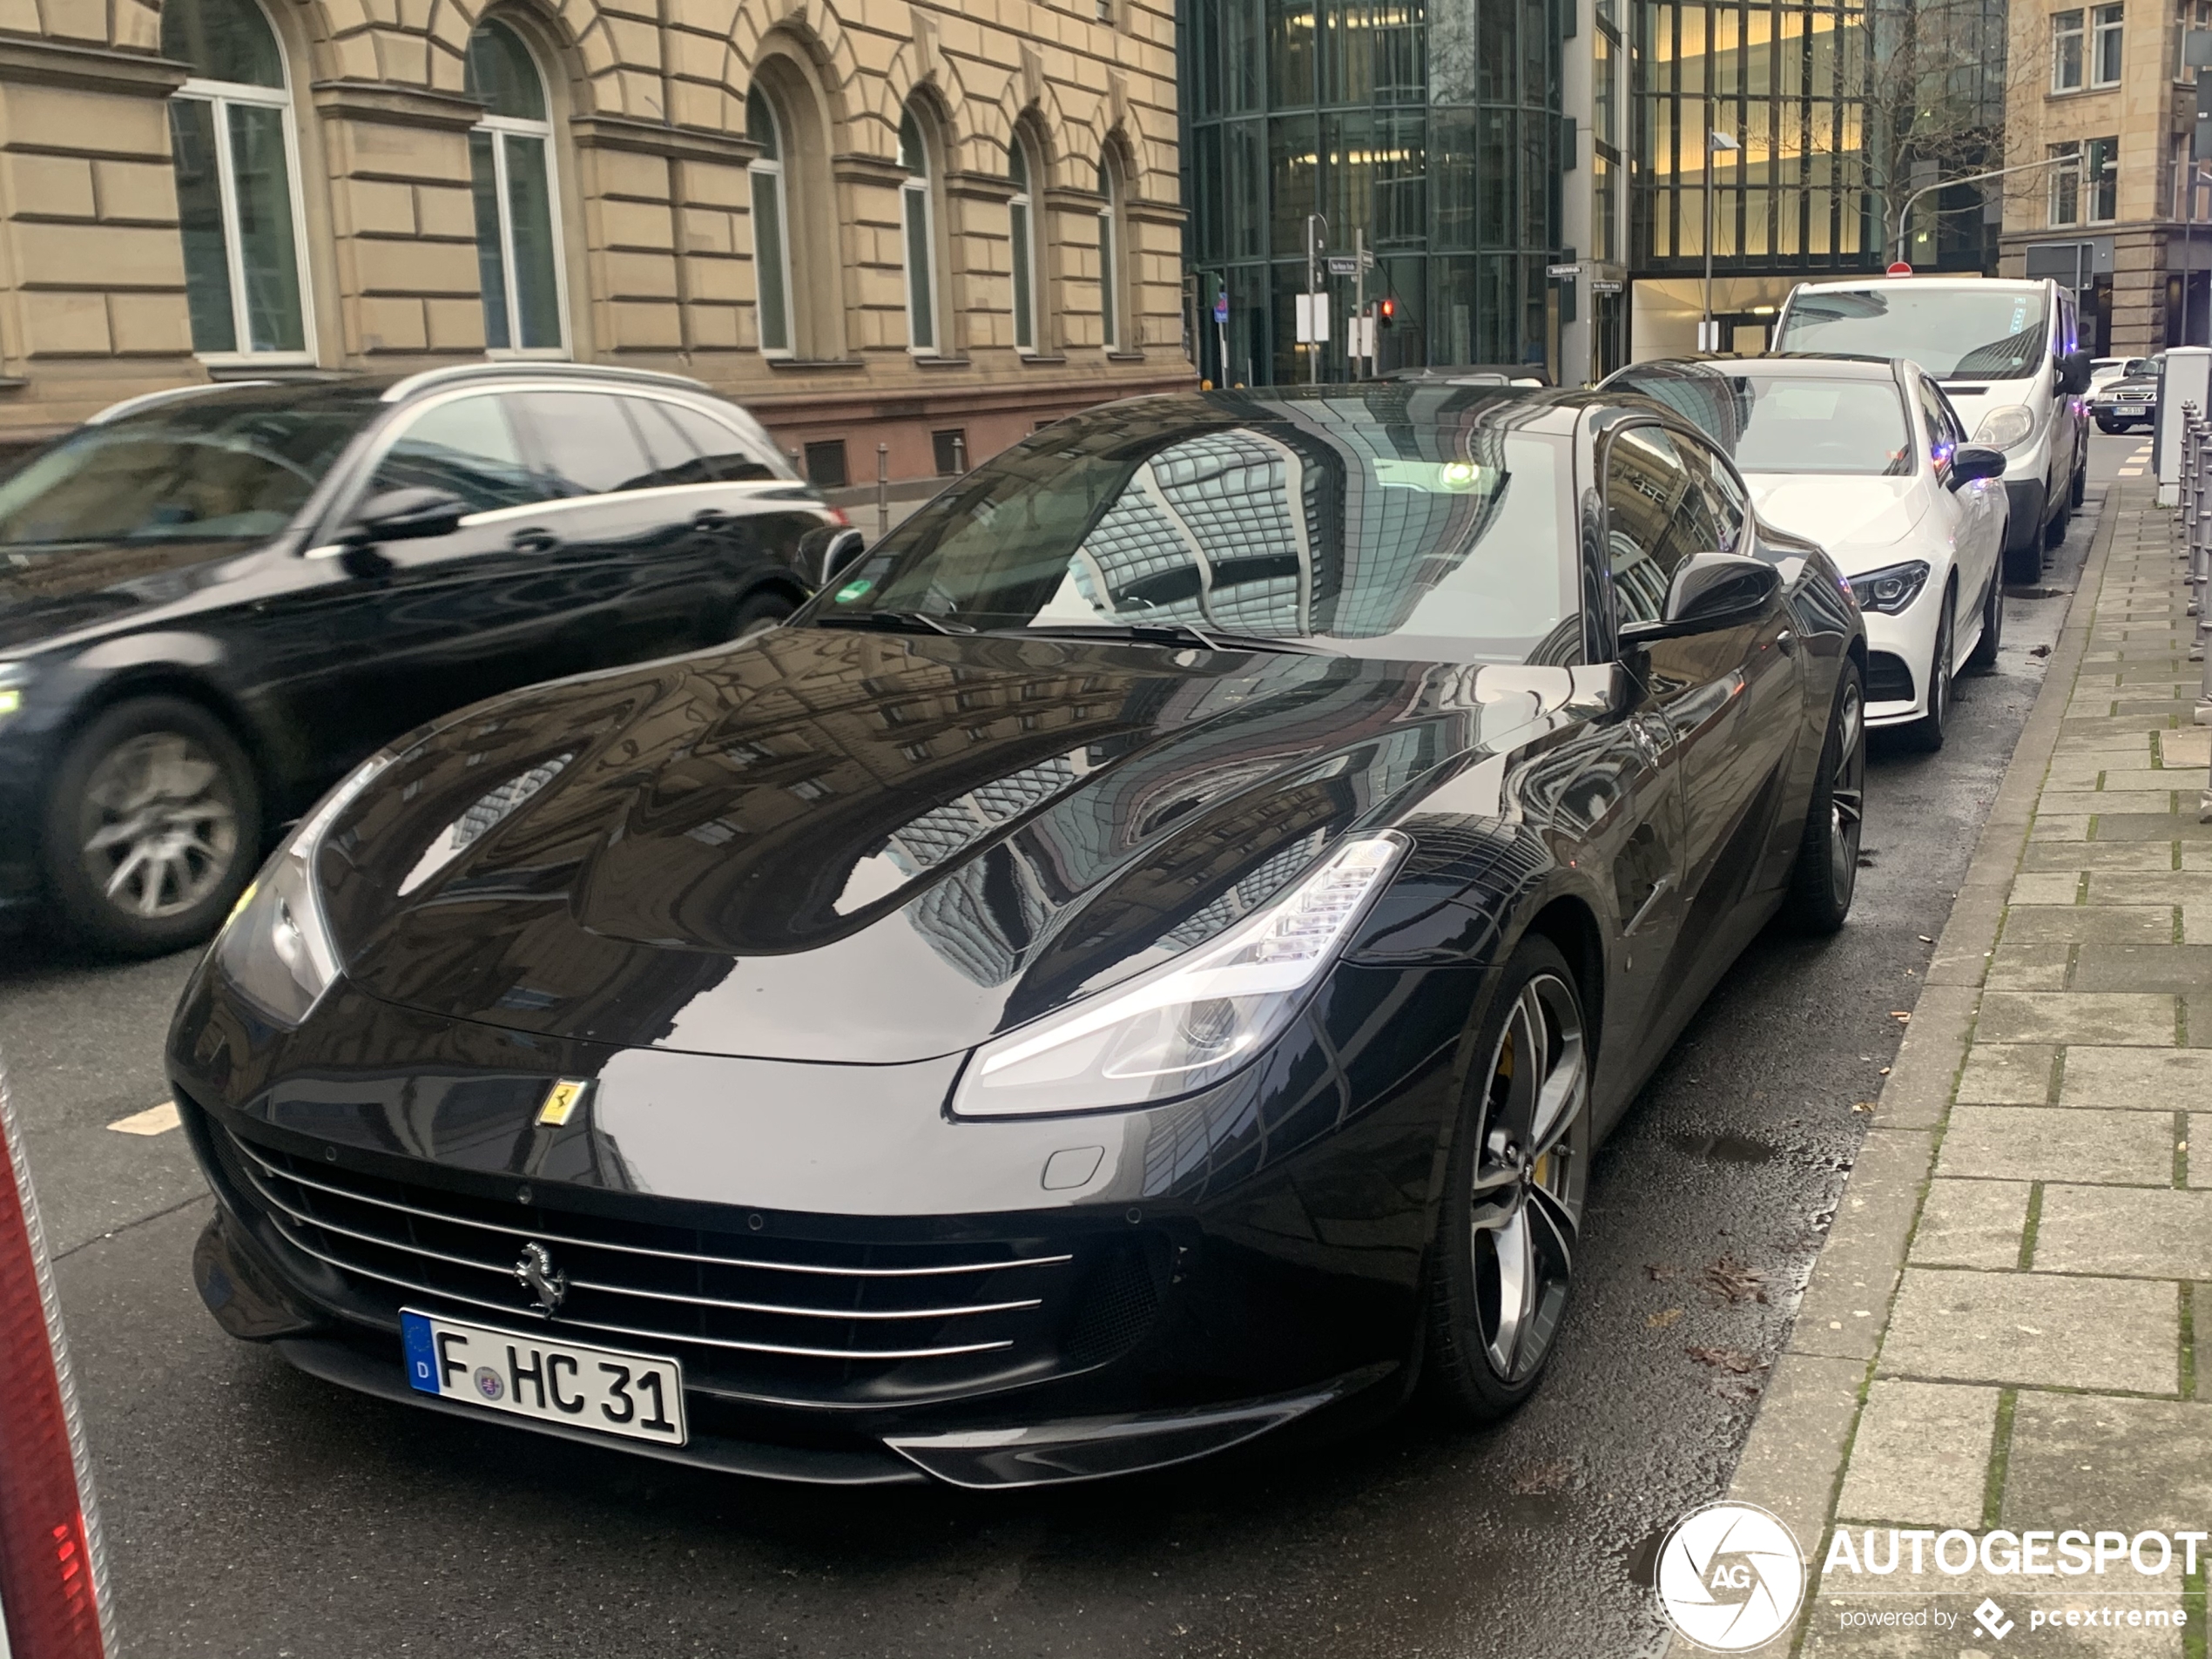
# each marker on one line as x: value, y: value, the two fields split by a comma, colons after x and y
x: 838, y: 517
x: 52, y: 1597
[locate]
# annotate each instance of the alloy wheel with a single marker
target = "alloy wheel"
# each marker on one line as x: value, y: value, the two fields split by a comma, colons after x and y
x: 160, y: 825
x: 1847, y: 789
x: 1530, y: 1170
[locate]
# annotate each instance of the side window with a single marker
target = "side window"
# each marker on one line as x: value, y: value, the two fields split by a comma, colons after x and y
x: 1719, y: 507
x: 468, y: 446
x: 669, y: 453
x: 725, y: 457
x: 585, y: 443
x: 1645, y: 482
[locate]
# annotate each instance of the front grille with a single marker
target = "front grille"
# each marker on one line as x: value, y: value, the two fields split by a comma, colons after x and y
x: 754, y: 1315
x: 1888, y: 679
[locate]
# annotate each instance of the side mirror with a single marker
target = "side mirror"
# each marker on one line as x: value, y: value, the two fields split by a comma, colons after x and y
x: 1710, y: 591
x: 844, y: 552
x: 407, y: 515
x: 2073, y: 372
x: 1970, y: 462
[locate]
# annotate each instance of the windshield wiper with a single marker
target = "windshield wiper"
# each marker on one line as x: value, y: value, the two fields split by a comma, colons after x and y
x: 1163, y: 633
x: 902, y: 621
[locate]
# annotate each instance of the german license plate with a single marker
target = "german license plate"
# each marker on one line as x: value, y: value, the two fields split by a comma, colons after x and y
x: 2130, y: 408
x: 553, y: 1381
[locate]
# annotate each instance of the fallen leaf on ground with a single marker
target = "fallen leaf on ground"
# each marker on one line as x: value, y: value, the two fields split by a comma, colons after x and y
x: 1734, y: 1360
x: 1734, y: 1281
x: 1663, y: 1318
x: 1533, y: 1479
x: 1662, y: 1270
x: 2038, y: 650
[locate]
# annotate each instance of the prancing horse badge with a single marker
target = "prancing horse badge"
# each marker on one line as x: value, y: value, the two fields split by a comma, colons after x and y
x: 561, y: 1102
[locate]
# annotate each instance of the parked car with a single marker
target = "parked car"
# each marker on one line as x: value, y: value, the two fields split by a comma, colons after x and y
x: 1870, y: 460
x: 2005, y: 354
x: 53, y: 1574
x: 2129, y: 401
x: 216, y: 600
x: 2102, y: 369
x: 1143, y: 957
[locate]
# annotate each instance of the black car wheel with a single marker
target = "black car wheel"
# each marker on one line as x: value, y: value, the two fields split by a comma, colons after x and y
x: 1826, y: 873
x: 1983, y: 659
x: 759, y: 612
x: 1926, y: 733
x: 2104, y: 425
x: 1505, y: 1254
x: 2078, y: 490
x: 153, y: 828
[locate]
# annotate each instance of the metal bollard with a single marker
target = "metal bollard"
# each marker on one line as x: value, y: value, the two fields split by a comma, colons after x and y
x: 882, y: 490
x: 960, y: 454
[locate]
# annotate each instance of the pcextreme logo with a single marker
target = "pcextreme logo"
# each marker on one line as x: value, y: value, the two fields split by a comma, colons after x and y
x: 1730, y: 1577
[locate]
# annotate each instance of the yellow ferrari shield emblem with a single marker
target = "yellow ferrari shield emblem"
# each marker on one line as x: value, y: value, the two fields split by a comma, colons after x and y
x: 561, y: 1102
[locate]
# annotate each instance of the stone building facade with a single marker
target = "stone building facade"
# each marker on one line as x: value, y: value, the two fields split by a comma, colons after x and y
x: 871, y: 221
x: 2108, y: 84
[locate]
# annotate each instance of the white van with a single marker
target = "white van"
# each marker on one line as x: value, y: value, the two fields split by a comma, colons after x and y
x: 2008, y: 356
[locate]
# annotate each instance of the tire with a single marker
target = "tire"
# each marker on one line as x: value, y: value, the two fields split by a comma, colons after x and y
x: 2023, y: 565
x: 1519, y: 1169
x: 1825, y: 876
x: 1983, y: 660
x: 1926, y: 733
x: 758, y: 614
x: 2054, y: 526
x: 2108, y: 427
x: 153, y: 828
x: 2078, y: 491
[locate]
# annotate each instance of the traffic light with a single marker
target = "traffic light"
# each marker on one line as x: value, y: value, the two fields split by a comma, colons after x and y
x: 1385, y: 312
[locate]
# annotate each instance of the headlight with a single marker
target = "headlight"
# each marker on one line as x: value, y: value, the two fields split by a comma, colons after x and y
x: 12, y: 676
x: 1891, y: 590
x: 2006, y: 427
x: 1191, y: 1022
x: 276, y: 947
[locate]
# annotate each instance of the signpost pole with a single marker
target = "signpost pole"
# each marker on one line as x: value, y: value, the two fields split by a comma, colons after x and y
x: 1355, y: 345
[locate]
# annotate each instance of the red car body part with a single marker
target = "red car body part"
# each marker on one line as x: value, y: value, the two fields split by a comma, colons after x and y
x: 53, y: 1600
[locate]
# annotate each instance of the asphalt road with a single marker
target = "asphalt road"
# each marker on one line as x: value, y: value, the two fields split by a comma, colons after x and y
x: 251, y: 1511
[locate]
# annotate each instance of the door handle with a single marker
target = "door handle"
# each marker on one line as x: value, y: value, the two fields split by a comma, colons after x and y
x: 534, y: 540
x: 1786, y: 643
x: 709, y: 518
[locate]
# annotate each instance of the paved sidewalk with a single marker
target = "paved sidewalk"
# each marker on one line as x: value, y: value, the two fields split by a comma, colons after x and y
x: 2000, y: 1330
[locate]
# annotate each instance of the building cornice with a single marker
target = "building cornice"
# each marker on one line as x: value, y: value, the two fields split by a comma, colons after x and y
x: 658, y: 138
x: 25, y: 60
x: 388, y: 105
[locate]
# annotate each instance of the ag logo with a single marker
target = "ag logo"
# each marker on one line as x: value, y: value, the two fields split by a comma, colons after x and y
x: 1730, y: 1577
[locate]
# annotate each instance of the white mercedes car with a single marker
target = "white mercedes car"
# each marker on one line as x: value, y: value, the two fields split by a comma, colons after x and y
x: 1868, y: 458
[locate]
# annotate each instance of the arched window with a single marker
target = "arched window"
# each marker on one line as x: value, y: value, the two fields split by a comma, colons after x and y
x: 1109, y: 253
x: 231, y: 134
x: 511, y: 163
x: 1022, y: 215
x: 771, y: 252
x: 917, y: 215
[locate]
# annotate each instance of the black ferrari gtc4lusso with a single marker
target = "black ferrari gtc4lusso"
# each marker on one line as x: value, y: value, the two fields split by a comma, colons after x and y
x: 1143, y: 957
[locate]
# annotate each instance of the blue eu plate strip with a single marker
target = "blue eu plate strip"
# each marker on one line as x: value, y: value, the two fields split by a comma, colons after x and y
x: 421, y: 1352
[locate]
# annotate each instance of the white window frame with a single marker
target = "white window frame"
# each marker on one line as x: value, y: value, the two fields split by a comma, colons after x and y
x: 2073, y: 22
x: 500, y: 127
x: 2060, y: 178
x: 1021, y: 240
x: 2099, y: 28
x: 771, y: 168
x: 915, y: 193
x: 221, y: 93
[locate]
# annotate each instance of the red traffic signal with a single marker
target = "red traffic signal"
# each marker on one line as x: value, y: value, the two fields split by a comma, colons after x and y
x: 1385, y: 312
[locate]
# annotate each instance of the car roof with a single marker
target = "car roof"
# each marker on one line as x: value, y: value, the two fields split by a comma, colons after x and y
x: 1798, y: 364
x: 340, y: 389
x: 1998, y: 285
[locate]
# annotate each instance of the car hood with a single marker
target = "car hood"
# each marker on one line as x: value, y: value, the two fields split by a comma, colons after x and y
x: 48, y: 593
x: 1854, y: 518
x: 2130, y: 390
x: 834, y: 845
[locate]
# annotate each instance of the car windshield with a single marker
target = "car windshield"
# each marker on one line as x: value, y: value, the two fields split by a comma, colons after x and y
x: 1993, y: 334
x: 1403, y: 520
x: 1790, y: 424
x: 228, y: 466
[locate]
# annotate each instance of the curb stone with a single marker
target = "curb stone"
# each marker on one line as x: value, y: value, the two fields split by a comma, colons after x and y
x: 1792, y: 1462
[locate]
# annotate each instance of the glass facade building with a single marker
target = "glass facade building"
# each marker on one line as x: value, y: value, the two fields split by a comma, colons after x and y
x: 1436, y: 133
